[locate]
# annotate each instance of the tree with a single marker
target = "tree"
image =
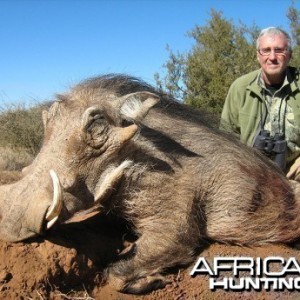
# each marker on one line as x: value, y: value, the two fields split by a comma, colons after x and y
x: 173, y: 82
x: 222, y: 52
x: 294, y: 19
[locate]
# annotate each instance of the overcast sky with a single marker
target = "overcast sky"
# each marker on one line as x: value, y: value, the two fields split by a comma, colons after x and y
x: 48, y: 45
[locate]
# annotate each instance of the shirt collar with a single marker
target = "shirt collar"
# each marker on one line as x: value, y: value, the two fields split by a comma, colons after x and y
x: 287, y: 79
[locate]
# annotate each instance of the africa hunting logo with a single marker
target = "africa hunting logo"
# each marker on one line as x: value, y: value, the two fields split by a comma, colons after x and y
x: 247, y: 273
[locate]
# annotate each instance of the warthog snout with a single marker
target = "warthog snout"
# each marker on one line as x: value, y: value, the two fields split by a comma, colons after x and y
x: 24, y: 216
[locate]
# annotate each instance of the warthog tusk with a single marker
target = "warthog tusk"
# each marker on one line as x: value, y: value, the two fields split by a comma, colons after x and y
x: 56, y: 206
x: 52, y: 222
x: 110, y: 180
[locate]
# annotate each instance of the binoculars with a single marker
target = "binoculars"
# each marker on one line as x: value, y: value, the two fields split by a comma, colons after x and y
x: 274, y: 147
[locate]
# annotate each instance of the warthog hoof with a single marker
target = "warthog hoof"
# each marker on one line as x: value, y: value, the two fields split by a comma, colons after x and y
x: 138, y: 285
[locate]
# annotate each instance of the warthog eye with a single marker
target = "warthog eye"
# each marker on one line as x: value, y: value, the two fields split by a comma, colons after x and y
x: 98, y: 116
x: 96, y: 120
x: 126, y: 123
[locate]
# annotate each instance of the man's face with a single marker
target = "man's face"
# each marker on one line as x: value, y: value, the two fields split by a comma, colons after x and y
x: 273, y: 56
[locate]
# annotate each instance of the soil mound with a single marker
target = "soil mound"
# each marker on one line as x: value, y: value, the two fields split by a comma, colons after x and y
x: 70, y: 262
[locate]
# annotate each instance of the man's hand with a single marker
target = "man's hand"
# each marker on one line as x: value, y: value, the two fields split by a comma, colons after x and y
x: 294, y: 171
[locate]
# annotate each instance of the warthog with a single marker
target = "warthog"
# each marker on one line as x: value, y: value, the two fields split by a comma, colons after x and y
x: 115, y: 144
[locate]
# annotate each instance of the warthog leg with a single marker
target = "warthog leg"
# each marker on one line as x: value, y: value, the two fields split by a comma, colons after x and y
x: 156, y: 250
x: 140, y: 285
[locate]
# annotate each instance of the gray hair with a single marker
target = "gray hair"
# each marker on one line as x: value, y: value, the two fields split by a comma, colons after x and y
x: 274, y: 31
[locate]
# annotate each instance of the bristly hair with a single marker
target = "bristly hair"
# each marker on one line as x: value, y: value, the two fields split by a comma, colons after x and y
x: 121, y: 84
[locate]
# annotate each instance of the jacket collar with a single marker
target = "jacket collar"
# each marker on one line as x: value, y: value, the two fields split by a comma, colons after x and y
x: 292, y: 78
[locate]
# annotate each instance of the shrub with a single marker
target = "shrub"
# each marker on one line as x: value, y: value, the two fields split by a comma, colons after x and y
x: 22, y: 128
x: 14, y: 159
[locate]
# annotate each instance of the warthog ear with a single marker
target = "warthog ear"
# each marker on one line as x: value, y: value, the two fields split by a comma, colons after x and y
x: 136, y: 106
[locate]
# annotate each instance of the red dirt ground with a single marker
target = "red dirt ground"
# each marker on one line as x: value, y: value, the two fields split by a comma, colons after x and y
x: 69, y: 263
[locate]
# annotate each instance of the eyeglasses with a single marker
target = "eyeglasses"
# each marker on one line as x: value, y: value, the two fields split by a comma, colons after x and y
x: 267, y: 51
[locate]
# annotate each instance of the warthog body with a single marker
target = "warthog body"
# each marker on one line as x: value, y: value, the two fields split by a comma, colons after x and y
x: 118, y: 146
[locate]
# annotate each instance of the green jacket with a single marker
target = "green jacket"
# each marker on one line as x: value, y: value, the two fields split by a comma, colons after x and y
x: 246, y: 109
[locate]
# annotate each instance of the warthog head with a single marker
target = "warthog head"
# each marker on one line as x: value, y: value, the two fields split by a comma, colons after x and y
x: 81, y: 161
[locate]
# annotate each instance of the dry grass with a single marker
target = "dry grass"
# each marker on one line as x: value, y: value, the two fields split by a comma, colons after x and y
x: 21, y: 127
x: 21, y: 134
x: 14, y: 159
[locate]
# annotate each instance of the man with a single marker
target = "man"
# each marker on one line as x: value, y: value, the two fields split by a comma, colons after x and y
x: 268, y: 100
